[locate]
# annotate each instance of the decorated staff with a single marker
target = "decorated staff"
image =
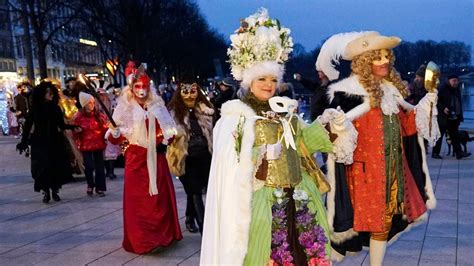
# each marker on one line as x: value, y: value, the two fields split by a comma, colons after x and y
x: 432, y: 75
x: 91, y: 90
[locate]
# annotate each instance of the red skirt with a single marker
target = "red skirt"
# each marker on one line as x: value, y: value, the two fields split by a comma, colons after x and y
x: 149, y: 221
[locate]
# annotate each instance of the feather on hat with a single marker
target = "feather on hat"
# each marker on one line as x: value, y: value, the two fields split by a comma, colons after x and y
x: 333, y: 50
x: 347, y: 46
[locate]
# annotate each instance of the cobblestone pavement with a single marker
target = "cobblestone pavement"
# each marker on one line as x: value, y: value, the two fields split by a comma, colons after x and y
x: 82, y: 230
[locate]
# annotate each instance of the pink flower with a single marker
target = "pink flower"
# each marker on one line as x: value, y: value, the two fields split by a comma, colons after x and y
x: 319, y: 262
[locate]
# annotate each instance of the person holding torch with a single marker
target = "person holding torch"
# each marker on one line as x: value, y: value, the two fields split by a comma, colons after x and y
x: 144, y: 128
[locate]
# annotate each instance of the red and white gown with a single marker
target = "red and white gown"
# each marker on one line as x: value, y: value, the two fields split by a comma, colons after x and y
x: 149, y: 204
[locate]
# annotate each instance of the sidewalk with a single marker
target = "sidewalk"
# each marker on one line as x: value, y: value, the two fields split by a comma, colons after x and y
x: 81, y: 230
x: 467, y: 125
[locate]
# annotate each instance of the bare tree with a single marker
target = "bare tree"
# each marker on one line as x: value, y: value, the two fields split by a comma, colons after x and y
x: 46, y: 18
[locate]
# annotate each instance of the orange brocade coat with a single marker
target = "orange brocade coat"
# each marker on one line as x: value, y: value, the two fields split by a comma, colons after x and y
x: 366, y: 177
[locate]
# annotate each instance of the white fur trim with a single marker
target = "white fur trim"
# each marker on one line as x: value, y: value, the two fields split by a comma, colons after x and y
x: 131, y: 120
x: 351, y: 86
x: 261, y: 69
x: 431, y: 202
x: 228, y: 203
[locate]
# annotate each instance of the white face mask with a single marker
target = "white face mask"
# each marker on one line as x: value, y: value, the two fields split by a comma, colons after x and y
x: 383, y: 58
x: 139, y: 90
x: 140, y: 93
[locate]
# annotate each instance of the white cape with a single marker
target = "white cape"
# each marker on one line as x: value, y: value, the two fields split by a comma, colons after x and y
x: 228, y: 202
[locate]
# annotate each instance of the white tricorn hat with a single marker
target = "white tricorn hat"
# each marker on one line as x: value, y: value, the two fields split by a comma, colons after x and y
x: 347, y: 46
x: 84, y: 98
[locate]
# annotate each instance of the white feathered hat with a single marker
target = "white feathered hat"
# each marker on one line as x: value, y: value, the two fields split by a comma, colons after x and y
x: 347, y: 46
x: 259, y: 47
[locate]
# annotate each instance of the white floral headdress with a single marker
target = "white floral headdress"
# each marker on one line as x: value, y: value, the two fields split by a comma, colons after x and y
x: 260, y: 46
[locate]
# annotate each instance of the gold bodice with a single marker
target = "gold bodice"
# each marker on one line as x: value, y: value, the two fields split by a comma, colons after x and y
x: 285, y: 171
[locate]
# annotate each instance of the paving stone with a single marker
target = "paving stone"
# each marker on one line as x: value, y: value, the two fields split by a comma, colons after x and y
x: 70, y: 258
x: 465, y: 254
x: 192, y: 261
x: 442, y: 224
x: 438, y: 251
x: 82, y: 230
x: 155, y: 260
x: 353, y: 259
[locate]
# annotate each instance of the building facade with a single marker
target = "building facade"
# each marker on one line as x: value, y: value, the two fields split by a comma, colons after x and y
x: 71, y: 51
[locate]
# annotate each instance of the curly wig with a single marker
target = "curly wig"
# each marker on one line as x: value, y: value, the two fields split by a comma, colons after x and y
x: 362, y: 66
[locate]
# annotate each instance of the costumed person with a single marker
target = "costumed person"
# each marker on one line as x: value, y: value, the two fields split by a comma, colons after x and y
x: 149, y: 204
x: 89, y: 136
x: 189, y: 156
x: 226, y: 93
x: 22, y: 103
x: 263, y: 204
x: 43, y: 130
x: 13, y: 126
x: 379, y: 176
x: 69, y: 109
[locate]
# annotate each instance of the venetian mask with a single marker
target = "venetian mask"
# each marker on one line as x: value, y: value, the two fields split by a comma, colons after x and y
x: 140, y: 90
x: 189, y: 93
x: 383, y: 58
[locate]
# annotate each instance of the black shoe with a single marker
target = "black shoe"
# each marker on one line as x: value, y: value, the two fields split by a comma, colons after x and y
x: 436, y: 156
x: 56, y: 196
x: 47, y: 196
x: 100, y: 193
x: 191, y: 225
x: 112, y: 176
x: 462, y: 155
x: 90, y: 191
x: 199, y: 208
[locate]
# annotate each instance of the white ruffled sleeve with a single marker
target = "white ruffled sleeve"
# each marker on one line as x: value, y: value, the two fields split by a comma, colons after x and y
x: 426, y: 118
x: 346, y: 141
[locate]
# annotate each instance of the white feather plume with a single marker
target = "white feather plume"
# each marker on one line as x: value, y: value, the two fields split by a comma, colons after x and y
x: 333, y: 49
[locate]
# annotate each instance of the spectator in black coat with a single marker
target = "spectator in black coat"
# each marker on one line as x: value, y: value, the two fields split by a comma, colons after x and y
x: 417, y: 87
x: 450, y: 116
x: 43, y: 130
x: 226, y: 88
x: 319, y: 101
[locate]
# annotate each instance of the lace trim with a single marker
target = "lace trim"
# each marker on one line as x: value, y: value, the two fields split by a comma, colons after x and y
x: 422, y: 119
x: 345, y: 143
x: 389, y: 103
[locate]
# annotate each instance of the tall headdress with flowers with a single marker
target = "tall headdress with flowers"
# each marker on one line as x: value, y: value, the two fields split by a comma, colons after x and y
x: 259, y: 47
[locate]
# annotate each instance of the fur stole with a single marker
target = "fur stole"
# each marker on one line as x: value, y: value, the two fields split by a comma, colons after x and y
x: 178, y: 149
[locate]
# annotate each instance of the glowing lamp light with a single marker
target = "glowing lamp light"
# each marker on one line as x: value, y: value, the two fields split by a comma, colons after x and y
x: 88, y: 42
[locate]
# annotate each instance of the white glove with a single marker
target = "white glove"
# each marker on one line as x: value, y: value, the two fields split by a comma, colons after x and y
x: 338, y: 117
x: 326, y: 116
x: 115, y: 132
x: 273, y: 151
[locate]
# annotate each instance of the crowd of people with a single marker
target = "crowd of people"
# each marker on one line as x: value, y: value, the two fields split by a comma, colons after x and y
x: 244, y: 146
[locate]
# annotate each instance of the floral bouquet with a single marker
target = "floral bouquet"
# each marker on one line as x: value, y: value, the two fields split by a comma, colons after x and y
x: 258, y: 39
x: 311, y: 236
